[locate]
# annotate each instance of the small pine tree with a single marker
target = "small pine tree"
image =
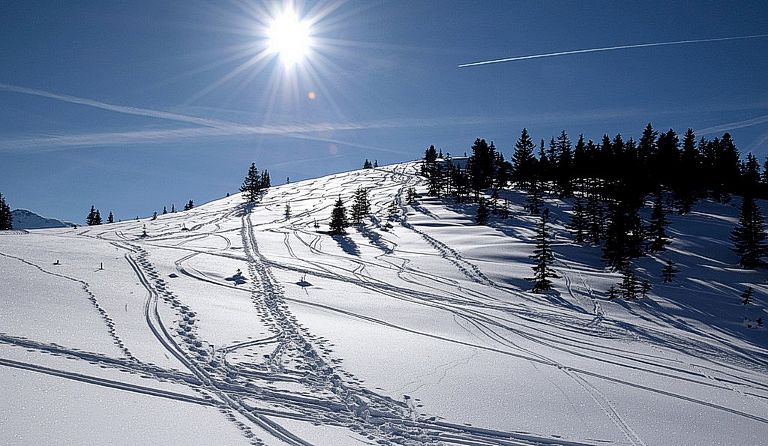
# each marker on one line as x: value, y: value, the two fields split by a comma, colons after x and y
x: 613, y: 292
x: 6, y: 217
x: 361, y: 206
x: 266, y: 181
x: 251, y: 187
x: 190, y: 204
x: 367, y: 164
x: 749, y: 235
x: 544, y: 257
x: 165, y: 211
x: 746, y: 296
x: 375, y: 163
x: 93, y: 218
x: 393, y: 212
x: 410, y: 195
x: 287, y: 210
x: 481, y: 217
x: 154, y: 216
x: 658, y: 224
x: 173, y: 208
x: 630, y: 285
x: 338, y: 222
x: 669, y: 271
x: 110, y: 218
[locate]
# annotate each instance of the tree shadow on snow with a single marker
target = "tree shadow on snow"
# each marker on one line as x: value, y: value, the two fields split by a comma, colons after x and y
x: 375, y: 238
x: 347, y: 244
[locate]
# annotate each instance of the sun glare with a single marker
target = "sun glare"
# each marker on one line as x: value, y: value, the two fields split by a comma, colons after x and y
x: 289, y: 37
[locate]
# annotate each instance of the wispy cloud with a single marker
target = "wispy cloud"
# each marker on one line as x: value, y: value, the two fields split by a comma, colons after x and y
x: 207, y: 128
x: 608, y: 48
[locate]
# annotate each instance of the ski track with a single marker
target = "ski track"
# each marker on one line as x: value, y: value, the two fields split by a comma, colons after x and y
x: 249, y: 394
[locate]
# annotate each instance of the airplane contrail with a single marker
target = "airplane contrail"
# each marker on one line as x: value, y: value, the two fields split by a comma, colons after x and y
x: 609, y: 48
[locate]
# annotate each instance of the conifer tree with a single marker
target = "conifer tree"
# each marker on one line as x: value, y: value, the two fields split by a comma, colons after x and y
x: 338, y: 222
x: 534, y: 200
x: 430, y: 155
x: 393, y: 212
x: 6, y: 217
x: 190, y: 204
x: 251, y: 187
x: 287, y: 210
x: 110, y: 218
x: 543, y: 256
x: 669, y: 271
x: 266, y: 182
x: 480, y: 166
x: 751, y: 175
x: 544, y: 164
x: 564, y: 165
x: 91, y: 220
x: 361, y: 207
x: 410, y: 195
x: 495, y: 201
x: 481, y: 217
x: 689, y: 181
x: 523, y: 161
x: 630, y: 285
x: 749, y: 235
x: 173, y: 208
x: 367, y: 164
x: 375, y: 163
x: 97, y: 218
x: 154, y: 216
x: 746, y: 296
x: 579, y: 223
x: 165, y: 211
x: 658, y: 224
x: 595, y: 218
x: 615, y: 249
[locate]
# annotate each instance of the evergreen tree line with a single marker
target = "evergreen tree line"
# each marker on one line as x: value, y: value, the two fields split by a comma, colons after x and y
x: 610, y: 182
x: 6, y: 218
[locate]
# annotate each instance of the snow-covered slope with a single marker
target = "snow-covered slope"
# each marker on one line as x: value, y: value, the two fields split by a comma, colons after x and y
x: 420, y: 334
x: 24, y: 219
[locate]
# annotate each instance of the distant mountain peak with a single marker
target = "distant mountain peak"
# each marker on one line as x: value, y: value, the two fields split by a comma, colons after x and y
x: 26, y: 219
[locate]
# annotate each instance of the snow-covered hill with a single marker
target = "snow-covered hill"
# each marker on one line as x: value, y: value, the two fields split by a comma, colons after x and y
x: 421, y: 334
x: 24, y: 219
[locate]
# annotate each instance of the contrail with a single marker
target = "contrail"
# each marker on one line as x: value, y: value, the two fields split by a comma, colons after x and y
x: 609, y: 48
x: 114, y: 107
x: 733, y: 125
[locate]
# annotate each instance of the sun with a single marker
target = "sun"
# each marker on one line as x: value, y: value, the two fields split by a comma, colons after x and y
x: 289, y: 37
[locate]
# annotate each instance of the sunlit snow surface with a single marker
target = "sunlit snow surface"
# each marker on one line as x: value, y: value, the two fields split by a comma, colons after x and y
x: 420, y: 334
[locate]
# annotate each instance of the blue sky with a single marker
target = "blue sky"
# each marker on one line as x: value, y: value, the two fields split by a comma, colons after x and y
x: 131, y: 106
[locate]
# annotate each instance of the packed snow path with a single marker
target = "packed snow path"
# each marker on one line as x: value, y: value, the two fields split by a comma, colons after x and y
x: 234, y: 323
